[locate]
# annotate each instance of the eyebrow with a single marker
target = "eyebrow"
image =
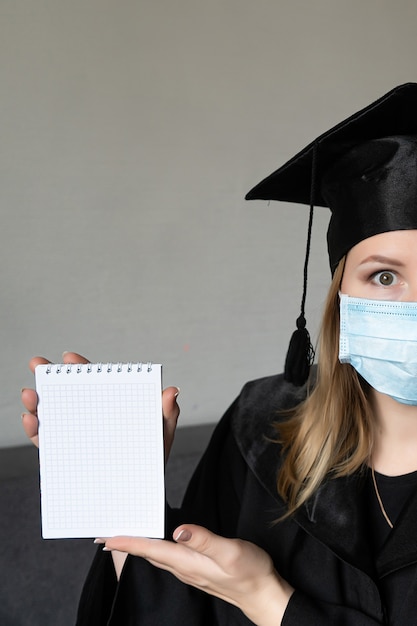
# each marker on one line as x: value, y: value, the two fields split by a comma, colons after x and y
x: 377, y: 258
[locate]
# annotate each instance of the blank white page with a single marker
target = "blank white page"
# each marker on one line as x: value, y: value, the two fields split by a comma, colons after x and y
x: 101, y: 450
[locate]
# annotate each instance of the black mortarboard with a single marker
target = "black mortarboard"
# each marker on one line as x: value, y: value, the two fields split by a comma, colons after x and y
x: 365, y: 170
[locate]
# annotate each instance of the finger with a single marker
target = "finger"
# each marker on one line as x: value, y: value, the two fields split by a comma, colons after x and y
x: 30, y: 400
x: 30, y: 426
x: 175, y: 558
x: 37, y: 360
x: 73, y: 357
x: 158, y: 550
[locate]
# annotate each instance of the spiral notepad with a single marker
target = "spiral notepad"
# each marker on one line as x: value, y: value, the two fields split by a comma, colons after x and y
x: 101, y: 450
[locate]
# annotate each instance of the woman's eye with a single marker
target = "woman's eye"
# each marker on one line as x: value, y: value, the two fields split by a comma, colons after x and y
x: 386, y: 279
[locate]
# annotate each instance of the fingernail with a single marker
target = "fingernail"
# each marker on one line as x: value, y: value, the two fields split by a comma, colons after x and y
x: 64, y: 353
x: 23, y: 389
x: 176, y: 394
x: 98, y: 540
x: 105, y: 549
x: 183, y: 535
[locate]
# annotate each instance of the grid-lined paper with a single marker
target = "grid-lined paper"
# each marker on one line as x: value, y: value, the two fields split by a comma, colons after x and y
x: 101, y: 450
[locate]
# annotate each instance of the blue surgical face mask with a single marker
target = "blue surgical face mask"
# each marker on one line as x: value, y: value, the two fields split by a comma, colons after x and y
x: 379, y: 339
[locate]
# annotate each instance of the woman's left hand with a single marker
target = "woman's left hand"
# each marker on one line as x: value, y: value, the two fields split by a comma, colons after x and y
x: 234, y: 570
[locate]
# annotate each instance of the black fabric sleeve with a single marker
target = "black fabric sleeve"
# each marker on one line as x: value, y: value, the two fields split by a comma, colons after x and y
x: 303, y: 610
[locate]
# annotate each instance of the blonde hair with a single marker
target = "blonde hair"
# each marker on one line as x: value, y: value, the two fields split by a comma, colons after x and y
x: 331, y: 432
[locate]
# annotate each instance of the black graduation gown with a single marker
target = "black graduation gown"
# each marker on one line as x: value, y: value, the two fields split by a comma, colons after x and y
x: 323, y: 551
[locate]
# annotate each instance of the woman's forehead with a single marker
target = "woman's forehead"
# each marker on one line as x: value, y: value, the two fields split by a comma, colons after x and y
x: 395, y: 243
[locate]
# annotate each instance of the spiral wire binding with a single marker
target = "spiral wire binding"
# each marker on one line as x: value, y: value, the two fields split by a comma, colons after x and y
x: 78, y: 368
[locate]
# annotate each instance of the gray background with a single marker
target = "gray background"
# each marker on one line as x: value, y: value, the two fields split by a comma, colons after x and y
x: 130, y: 133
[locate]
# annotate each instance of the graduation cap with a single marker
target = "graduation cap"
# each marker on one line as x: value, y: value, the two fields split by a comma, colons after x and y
x: 365, y: 170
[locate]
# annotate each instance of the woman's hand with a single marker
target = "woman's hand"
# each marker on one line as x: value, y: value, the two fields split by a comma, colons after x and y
x: 170, y: 407
x: 231, y: 569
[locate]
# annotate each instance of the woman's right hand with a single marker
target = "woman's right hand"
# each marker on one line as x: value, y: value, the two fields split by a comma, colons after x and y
x: 170, y: 407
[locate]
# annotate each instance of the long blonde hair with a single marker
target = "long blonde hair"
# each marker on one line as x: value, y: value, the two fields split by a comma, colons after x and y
x: 331, y: 432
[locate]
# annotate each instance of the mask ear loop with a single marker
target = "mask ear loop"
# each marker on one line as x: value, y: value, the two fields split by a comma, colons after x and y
x: 300, y: 355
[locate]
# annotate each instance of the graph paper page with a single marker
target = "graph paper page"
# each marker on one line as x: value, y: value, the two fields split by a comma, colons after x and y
x: 101, y: 450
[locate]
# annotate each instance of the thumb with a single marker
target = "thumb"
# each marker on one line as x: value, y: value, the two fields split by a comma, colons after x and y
x: 170, y: 407
x: 198, y: 538
x: 171, y: 411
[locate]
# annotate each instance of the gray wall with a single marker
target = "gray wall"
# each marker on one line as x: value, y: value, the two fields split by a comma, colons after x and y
x: 131, y: 131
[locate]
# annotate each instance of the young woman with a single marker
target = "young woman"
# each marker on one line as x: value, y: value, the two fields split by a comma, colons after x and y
x: 303, y: 509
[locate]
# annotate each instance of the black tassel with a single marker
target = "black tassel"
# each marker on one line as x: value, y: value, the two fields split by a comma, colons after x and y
x: 300, y: 355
